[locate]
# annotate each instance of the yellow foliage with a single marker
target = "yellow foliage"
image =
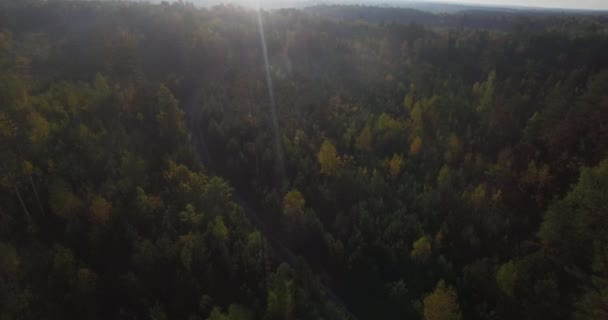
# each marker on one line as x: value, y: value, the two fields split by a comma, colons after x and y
x: 4, y: 40
x: 497, y: 195
x: 28, y: 168
x: 62, y: 201
x: 364, y: 140
x: 408, y: 102
x: 416, y: 146
x: 9, y: 259
x: 439, y: 238
x: 537, y: 175
x: 395, y: 165
x: 6, y: 129
x: 39, y: 127
x: 478, y: 197
x: 328, y: 158
x: 444, y: 176
x: 531, y: 173
x: 293, y: 203
x: 454, y: 148
x: 442, y: 304
x: 100, y: 210
x: 421, y: 249
x: 387, y: 123
x: 416, y: 116
x: 23, y: 61
x: 87, y: 280
x: 485, y: 91
x: 543, y: 175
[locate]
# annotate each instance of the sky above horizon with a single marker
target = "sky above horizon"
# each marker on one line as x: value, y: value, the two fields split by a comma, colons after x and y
x: 570, y: 4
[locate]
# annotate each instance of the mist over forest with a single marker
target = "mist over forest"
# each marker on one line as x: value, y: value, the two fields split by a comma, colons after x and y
x: 176, y: 161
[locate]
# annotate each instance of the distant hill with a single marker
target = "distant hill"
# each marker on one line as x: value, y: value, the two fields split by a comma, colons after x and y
x: 501, y: 19
x: 426, y: 6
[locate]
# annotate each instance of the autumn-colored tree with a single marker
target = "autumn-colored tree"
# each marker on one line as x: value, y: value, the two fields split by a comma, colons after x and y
x: 444, y: 176
x: 442, y: 304
x: 395, y: 165
x: 416, y: 146
x: 328, y: 158
x: 5, y: 39
x: 364, y: 140
x: 421, y: 249
x: 408, y: 101
x: 293, y: 203
x: 63, y: 201
x: 478, y: 196
x: 485, y: 91
x: 100, y: 210
x: 454, y: 148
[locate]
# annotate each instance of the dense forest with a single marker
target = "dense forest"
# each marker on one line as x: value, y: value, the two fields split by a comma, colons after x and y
x: 163, y: 161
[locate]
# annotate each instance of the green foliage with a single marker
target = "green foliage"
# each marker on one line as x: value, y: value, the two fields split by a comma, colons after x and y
x: 506, y: 277
x: 572, y: 232
x: 568, y: 222
x: 219, y: 230
x: 157, y: 313
x: 9, y: 260
x: 281, y: 301
x: 235, y: 312
x: 62, y: 201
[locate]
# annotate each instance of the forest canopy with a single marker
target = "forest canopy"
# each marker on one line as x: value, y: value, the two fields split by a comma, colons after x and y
x: 153, y: 166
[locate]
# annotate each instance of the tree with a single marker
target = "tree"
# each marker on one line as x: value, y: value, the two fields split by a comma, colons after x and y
x: 395, y: 165
x: 442, y: 304
x: 485, y: 91
x: 157, y: 312
x: 364, y: 140
x: 416, y: 146
x: 328, y: 158
x: 235, y: 312
x: 506, y: 276
x: 62, y: 201
x: 219, y: 230
x: 100, y: 210
x: 573, y: 223
x: 281, y: 295
x: 573, y: 232
x: 9, y: 260
x: 293, y: 203
x: 421, y: 249
x: 5, y: 40
x: 478, y: 196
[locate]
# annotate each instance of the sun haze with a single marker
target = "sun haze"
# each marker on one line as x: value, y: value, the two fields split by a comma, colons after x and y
x: 566, y: 4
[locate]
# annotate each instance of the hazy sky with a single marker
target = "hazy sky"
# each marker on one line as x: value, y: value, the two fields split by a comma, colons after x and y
x: 574, y: 4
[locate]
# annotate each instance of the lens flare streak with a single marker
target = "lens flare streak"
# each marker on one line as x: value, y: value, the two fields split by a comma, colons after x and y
x: 273, y: 111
